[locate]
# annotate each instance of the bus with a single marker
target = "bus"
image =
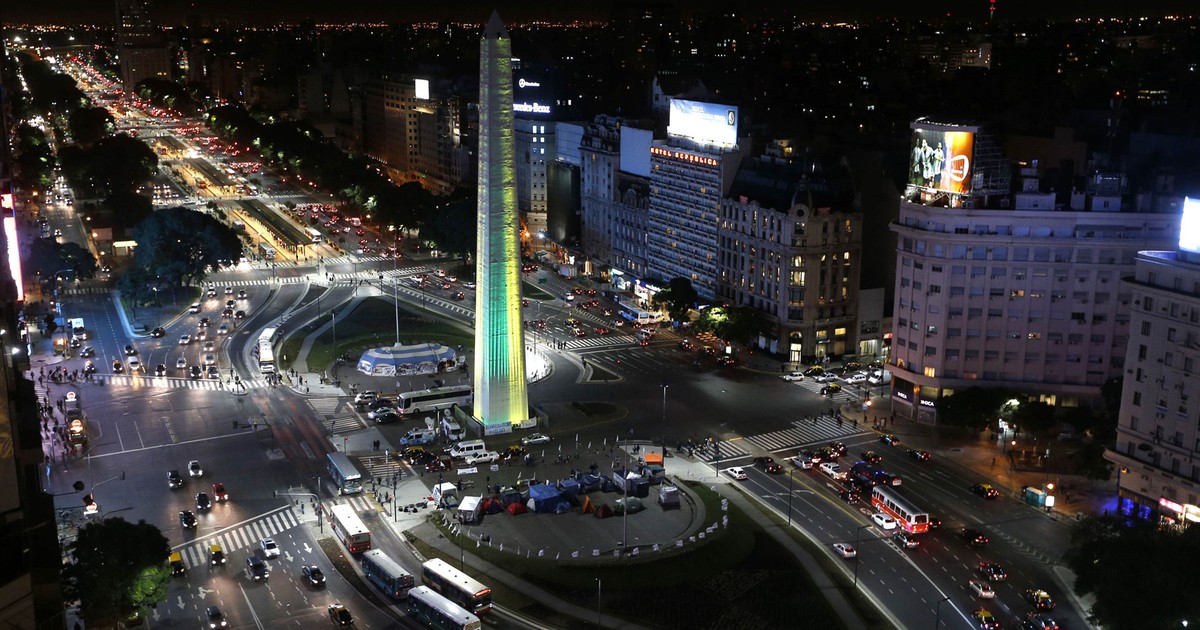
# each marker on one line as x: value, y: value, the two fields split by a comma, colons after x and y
x: 315, y: 235
x: 434, y: 611
x: 265, y: 350
x: 349, y: 528
x: 907, y: 516
x: 433, y: 399
x: 344, y: 474
x: 457, y: 586
x: 636, y: 315
x: 270, y: 334
x: 266, y: 251
x: 383, y: 572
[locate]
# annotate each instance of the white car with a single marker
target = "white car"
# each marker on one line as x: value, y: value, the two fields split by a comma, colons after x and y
x: 793, y: 377
x: 270, y: 549
x: 827, y: 377
x: 736, y: 472
x: 536, y: 438
x: 194, y: 469
x: 856, y: 378
x: 180, y: 363
x: 185, y: 340
x: 210, y: 359
x: 883, y: 520
x: 484, y: 457
x: 802, y: 462
x: 981, y: 589
x: 468, y: 285
x: 845, y: 550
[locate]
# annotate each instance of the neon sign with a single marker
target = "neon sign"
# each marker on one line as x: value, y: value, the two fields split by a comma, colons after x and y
x: 531, y: 108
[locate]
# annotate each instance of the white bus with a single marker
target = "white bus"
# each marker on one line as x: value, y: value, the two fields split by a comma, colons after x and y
x: 434, y: 611
x: 433, y: 399
x: 315, y: 235
x: 383, y: 572
x: 265, y: 350
x: 344, y: 474
x: 457, y: 586
x: 636, y: 315
x: 266, y: 251
x: 349, y: 528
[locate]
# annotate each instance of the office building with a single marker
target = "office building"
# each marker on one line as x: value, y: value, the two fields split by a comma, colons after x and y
x: 415, y: 128
x: 1002, y: 286
x: 140, y: 48
x: 615, y: 197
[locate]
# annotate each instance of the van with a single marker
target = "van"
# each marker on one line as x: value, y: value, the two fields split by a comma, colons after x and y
x: 880, y: 377
x: 417, y: 437
x: 833, y: 470
x: 468, y: 447
x: 452, y: 431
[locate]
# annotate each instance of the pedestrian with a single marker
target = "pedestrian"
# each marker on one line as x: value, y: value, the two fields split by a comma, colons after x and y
x: 306, y: 389
x: 993, y: 462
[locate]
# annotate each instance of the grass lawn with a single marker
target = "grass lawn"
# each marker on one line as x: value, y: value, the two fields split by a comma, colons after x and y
x: 740, y: 578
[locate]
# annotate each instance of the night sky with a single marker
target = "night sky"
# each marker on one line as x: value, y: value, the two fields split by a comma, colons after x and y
x: 174, y: 11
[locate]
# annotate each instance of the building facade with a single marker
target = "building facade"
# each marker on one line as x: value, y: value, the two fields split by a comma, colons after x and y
x: 140, y: 49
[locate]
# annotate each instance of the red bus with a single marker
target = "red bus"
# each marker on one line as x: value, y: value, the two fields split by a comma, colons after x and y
x: 907, y: 516
x: 349, y: 528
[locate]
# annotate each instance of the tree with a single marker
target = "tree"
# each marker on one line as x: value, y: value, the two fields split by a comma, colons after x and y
x: 117, y: 567
x: 1034, y: 417
x: 180, y: 245
x: 738, y: 324
x: 47, y: 256
x: 123, y: 210
x: 974, y: 408
x: 121, y: 163
x: 679, y: 296
x: 453, y: 229
x: 89, y: 124
x: 1140, y: 574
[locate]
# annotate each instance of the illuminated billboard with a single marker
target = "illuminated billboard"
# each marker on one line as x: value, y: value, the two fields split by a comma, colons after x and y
x: 421, y: 87
x: 1189, y: 226
x: 14, y: 255
x: 707, y: 123
x: 941, y: 159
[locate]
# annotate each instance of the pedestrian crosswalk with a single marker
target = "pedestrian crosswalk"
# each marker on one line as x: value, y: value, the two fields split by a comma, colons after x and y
x: 841, y: 396
x: 171, y: 382
x: 241, y: 536
x: 381, y: 467
x: 336, y: 414
x: 802, y: 434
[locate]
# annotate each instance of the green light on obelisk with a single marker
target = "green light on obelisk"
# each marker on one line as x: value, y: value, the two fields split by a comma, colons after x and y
x: 500, y: 388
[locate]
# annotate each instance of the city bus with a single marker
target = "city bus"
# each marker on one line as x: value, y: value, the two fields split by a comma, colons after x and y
x: 434, y: 611
x: 315, y: 235
x: 383, y: 572
x: 266, y: 251
x: 433, y: 399
x: 344, y: 474
x: 907, y: 516
x: 457, y: 586
x: 636, y: 315
x: 265, y: 350
x: 349, y: 528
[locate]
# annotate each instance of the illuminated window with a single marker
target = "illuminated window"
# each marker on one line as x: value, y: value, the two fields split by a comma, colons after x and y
x: 931, y: 372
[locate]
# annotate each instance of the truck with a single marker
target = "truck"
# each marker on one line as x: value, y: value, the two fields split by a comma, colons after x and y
x: 77, y: 328
x: 418, y: 437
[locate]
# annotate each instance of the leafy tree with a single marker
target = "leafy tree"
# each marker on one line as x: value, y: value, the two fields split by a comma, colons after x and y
x: 1089, y: 461
x: 1141, y: 575
x: 974, y: 408
x: 679, y: 296
x: 117, y: 566
x: 121, y: 163
x: 180, y: 245
x: 47, y: 256
x: 123, y: 210
x: 738, y: 324
x: 89, y: 124
x: 34, y: 158
x: 1034, y: 417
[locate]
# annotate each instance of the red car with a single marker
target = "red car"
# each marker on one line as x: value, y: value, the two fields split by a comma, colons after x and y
x: 600, y: 330
x: 218, y: 492
x: 442, y: 462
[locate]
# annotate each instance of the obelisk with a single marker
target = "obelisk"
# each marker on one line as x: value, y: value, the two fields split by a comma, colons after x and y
x: 501, y: 398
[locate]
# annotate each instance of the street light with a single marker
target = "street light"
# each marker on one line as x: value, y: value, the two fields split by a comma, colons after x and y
x: 665, y: 386
x: 937, y: 614
x: 857, y: 538
x: 396, y: 302
x: 599, y: 623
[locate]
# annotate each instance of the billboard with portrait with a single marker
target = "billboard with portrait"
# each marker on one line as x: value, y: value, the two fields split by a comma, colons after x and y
x: 941, y: 159
x: 1189, y: 226
x: 707, y: 123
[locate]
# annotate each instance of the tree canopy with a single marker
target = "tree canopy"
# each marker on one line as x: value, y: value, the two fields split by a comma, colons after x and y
x: 118, y: 567
x: 47, y: 256
x: 89, y: 124
x: 679, y: 296
x: 453, y: 228
x: 1141, y: 575
x: 114, y: 164
x: 738, y: 324
x: 974, y: 408
x: 178, y: 245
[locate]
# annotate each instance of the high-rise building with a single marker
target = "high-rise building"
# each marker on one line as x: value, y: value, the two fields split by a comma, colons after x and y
x: 615, y: 194
x: 501, y: 397
x: 788, y: 246
x: 1002, y: 286
x: 140, y: 48
x: 1157, y: 435
x: 415, y: 127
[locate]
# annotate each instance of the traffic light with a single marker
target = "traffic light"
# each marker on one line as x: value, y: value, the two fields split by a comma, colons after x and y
x: 89, y: 506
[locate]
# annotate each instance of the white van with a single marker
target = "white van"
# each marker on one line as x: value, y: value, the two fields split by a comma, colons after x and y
x: 452, y: 431
x: 468, y: 447
x: 833, y: 470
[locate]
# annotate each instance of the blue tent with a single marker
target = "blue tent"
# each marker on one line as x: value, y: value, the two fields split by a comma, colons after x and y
x: 544, y: 498
x: 422, y: 358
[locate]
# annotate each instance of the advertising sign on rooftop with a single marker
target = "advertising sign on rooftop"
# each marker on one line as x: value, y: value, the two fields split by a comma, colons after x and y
x: 1189, y: 226
x: 707, y: 123
x: 421, y: 87
x: 941, y: 160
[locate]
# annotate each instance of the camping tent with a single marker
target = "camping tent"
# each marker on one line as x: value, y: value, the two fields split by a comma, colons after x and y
x: 516, y: 508
x: 544, y: 498
x: 422, y: 358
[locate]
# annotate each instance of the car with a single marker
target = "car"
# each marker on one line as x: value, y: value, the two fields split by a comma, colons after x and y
x: 239, y: 314
x: 768, y: 464
x: 984, y: 620
x: 579, y: 332
x: 458, y: 295
x: 985, y: 490
x: 130, y: 351
x: 180, y: 363
x: 736, y: 472
x: 381, y: 403
x: 1040, y: 599
x: 87, y: 352
x: 857, y: 378
x: 536, y: 438
x: 339, y: 615
x: 160, y: 370
x: 202, y: 334
x: 825, y: 377
x: 482, y: 457
x: 75, y: 342
x: 921, y: 456
x: 883, y: 520
x: 118, y: 367
x: 230, y: 303
x: 850, y: 496
x: 313, y: 575
x: 905, y: 540
x: 210, y: 346
x: 223, y: 329
x: 194, y: 308
x: 227, y: 312
x: 385, y: 415
x: 365, y: 397
x: 981, y: 589
x: 210, y: 359
x: 571, y: 322
x: 202, y: 502
x: 439, y: 463
x: 158, y: 331
x: 216, y: 555
x: 793, y: 377
x: 974, y: 537
x: 845, y: 550
x: 871, y: 457
x: 934, y: 522
x: 194, y: 469
x: 601, y: 330
x: 269, y: 548
x: 259, y: 571
x: 216, y: 619
x: 187, y: 520
x: 992, y: 571
x: 725, y: 361
x: 228, y: 290
x: 135, y: 366
x: 1039, y: 621
x: 513, y: 453
x: 241, y: 295
x: 889, y: 439
x: 213, y: 373
x: 174, y: 480
x: 831, y: 389
x: 89, y: 368
x: 838, y: 448
x: 468, y: 285
x: 204, y: 322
